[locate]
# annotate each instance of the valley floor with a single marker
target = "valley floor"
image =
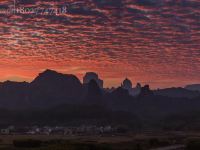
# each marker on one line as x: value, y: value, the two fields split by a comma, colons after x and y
x: 145, y: 141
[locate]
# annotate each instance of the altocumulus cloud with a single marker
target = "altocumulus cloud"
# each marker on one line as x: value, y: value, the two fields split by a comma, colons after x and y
x: 155, y: 37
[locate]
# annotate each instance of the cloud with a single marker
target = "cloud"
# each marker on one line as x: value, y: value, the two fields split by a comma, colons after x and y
x: 152, y: 39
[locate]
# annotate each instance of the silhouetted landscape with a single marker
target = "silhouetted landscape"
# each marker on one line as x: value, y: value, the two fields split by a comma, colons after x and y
x: 60, y: 104
x: 69, y: 102
x: 99, y: 75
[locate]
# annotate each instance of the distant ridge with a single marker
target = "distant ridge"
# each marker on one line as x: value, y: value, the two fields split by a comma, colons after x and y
x: 177, y: 92
x: 193, y: 87
x: 51, y: 88
x: 53, y: 97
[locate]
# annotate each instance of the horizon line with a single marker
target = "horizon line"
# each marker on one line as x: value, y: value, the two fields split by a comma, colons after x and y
x: 29, y: 80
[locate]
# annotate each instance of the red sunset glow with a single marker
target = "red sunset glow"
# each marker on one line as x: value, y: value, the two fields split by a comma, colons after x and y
x: 154, y: 42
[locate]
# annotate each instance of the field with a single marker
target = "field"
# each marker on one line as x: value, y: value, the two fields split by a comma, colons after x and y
x: 125, y: 142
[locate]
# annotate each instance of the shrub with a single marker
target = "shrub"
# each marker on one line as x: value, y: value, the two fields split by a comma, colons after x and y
x: 193, y: 144
x: 154, y: 142
x: 27, y: 143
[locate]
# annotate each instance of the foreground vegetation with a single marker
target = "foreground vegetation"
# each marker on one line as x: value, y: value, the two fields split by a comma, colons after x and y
x: 84, y: 143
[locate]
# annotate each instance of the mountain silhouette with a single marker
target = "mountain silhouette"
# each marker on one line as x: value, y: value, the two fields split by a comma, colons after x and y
x: 51, y: 87
x: 14, y: 94
x: 145, y: 91
x: 94, y: 94
x: 193, y: 87
x: 64, y: 96
x: 177, y: 92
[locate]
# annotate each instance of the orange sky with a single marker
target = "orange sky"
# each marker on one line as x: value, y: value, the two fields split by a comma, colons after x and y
x: 154, y: 42
x: 112, y: 73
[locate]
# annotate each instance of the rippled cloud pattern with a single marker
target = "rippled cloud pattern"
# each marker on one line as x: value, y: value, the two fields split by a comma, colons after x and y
x: 149, y: 41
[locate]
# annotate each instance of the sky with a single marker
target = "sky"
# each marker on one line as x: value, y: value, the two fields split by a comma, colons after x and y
x: 154, y: 42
